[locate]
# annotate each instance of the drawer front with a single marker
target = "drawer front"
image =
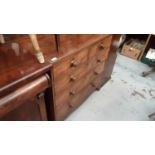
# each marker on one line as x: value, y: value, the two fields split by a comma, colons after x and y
x: 62, y: 97
x: 106, y: 42
x: 81, y: 96
x: 99, y: 68
x: 77, y: 86
x: 79, y: 73
x: 79, y: 58
x: 98, y: 81
x: 99, y: 51
x: 62, y: 111
x: 102, y: 54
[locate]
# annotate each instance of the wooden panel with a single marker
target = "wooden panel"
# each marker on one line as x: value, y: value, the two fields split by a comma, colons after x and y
x: 46, y: 42
x: 31, y: 110
x: 99, y: 68
x: 62, y: 111
x: 79, y: 58
x: 77, y: 86
x: 81, y: 97
x: 75, y: 42
x: 15, y: 99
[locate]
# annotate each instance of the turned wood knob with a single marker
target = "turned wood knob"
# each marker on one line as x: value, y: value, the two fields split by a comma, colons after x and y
x: 74, y: 63
x: 93, y: 85
x: 100, y: 60
x: 101, y: 46
x: 70, y: 105
x: 72, y: 92
x: 72, y: 78
x: 96, y: 73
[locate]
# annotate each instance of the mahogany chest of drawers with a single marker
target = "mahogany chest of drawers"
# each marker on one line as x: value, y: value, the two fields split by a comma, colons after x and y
x: 78, y: 74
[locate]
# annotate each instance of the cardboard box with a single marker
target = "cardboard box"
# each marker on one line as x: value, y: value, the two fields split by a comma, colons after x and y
x: 133, y: 48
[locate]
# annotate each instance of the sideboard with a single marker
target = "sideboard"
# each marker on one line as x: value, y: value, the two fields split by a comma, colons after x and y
x: 75, y: 66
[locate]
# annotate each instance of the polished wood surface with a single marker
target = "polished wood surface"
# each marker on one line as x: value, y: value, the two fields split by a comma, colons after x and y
x: 18, y: 64
x: 75, y: 42
x: 51, y: 91
x: 79, y: 70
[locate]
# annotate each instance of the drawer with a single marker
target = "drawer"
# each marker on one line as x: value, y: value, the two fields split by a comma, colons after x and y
x: 70, y: 64
x: 62, y: 97
x: 62, y: 111
x: 79, y: 98
x: 101, y: 46
x: 106, y: 42
x: 78, y: 73
x: 100, y: 50
x: 99, y: 68
x: 102, y: 54
x: 79, y: 58
x: 77, y: 86
x: 97, y: 82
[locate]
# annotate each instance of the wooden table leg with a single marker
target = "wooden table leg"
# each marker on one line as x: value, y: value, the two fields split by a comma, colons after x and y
x: 2, y: 40
x: 38, y: 51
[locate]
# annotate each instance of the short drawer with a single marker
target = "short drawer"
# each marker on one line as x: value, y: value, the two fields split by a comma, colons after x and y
x: 99, y: 68
x: 106, y: 42
x: 97, y: 82
x: 78, y: 73
x: 62, y: 111
x: 81, y: 96
x: 77, y: 86
x: 79, y: 58
x: 102, y: 54
x: 62, y: 97
x: 100, y: 50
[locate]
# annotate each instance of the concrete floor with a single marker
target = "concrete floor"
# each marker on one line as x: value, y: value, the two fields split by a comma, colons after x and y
x: 126, y: 97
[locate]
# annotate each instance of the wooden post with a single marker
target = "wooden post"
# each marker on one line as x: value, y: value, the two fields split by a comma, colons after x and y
x: 38, y: 51
x: 146, y: 44
x: 2, y: 41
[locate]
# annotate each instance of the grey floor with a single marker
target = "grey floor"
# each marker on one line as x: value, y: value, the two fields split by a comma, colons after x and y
x: 127, y: 96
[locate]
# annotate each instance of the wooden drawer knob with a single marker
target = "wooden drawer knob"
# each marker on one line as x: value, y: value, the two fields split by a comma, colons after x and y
x: 74, y: 63
x: 93, y: 85
x: 70, y: 105
x: 72, y: 93
x: 72, y: 78
x: 100, y: 60
x: 101, y: 46
x: 96, y: 73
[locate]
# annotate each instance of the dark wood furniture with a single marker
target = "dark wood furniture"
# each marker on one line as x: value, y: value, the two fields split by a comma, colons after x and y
x: 51, y: 91
x: 85, y: 64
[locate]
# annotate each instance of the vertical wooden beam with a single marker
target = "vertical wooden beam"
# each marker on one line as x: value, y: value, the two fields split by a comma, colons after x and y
x: 146, y: 44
